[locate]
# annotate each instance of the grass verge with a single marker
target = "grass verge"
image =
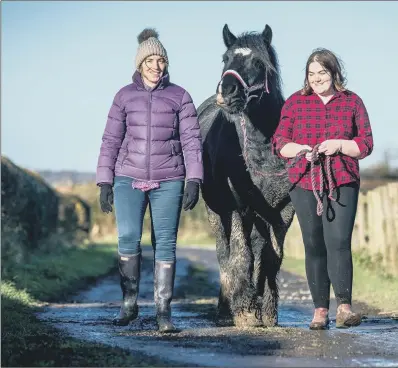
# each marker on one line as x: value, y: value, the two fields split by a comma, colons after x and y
x: 26, y: 341
x: 370, y: 286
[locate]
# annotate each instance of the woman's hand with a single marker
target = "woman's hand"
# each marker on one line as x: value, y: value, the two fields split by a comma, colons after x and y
x: 106, y: 198
x: 308, y: 155
x: 330, y: 147
x: 291, y: 149
x: 191, y: 195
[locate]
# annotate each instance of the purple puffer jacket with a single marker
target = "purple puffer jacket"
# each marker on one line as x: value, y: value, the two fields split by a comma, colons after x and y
x: 151, y: 135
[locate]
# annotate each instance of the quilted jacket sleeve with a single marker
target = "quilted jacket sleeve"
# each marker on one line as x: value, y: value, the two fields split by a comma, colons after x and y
x: 112, y: 139
x: 191, y: 139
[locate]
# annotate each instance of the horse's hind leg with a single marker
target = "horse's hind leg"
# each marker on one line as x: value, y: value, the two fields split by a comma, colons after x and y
x: 244, y: 304
x: 220, y: 227
x: 273, y: 254
x: 270, y: 300
x: 224, y: 314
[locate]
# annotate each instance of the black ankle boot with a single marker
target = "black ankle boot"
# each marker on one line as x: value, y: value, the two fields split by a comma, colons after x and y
x: 163, y: 288
x: 129, y: 268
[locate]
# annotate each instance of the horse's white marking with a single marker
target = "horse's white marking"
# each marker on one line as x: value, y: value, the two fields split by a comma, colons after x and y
x: 243, y: 51
x: 220, y: 87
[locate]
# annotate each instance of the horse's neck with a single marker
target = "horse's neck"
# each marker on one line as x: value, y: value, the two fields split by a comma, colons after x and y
x: 261, y: 121
x: 255, y: 130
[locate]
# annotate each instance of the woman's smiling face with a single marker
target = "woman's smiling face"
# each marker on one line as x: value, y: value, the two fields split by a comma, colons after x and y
x: 152, y: 69
x: 320, y: 79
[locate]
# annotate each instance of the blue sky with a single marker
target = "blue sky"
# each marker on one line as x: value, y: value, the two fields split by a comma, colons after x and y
x: 63, y: 62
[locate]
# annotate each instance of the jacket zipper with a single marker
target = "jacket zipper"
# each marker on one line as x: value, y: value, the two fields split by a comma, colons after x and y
x: 149, y: 136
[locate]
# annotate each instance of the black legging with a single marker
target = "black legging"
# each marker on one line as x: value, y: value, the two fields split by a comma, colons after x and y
x: 327, y: 242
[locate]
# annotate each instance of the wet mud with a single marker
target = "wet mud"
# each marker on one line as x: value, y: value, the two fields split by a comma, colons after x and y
x: 88, y: 315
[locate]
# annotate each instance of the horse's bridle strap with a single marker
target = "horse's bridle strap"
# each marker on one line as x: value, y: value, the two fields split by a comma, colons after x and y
x: 244, y: 84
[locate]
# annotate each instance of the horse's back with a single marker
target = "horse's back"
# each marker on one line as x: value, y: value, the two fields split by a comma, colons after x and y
x: 207, y: 114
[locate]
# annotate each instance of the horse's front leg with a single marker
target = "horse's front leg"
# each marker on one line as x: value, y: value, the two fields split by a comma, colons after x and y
x: 221, y: 226
x: 245, y: 309
x: 272, y: 258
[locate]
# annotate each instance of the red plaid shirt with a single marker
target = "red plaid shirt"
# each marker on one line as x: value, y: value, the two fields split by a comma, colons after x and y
x: 307, y: 120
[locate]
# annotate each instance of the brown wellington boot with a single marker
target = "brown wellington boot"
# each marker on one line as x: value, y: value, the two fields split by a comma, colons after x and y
x: 320, y: 320
x: 346, y: 318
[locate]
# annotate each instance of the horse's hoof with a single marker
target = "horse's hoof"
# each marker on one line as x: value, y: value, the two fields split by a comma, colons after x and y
x: 224, y: 319
x: 224, y: 322
x: 247, y: 319
x: 270, y: 321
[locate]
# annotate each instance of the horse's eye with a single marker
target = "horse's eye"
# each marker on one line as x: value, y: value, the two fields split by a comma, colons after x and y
x: 258, y: 64
x: 224, y: 58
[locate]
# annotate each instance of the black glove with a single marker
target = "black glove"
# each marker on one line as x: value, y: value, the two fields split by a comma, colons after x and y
x: 191, y: 195
x: 106, y: 198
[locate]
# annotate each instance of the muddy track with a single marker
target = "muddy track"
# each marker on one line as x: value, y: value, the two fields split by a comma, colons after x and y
x: 88, y: 314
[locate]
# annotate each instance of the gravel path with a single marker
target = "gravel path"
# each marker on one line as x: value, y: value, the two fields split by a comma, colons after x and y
x: 88, y: 314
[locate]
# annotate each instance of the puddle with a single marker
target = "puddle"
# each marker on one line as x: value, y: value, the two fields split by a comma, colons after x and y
x: 88, y: 315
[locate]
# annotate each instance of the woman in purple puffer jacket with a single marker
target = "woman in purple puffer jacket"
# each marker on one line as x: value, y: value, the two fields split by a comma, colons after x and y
x: 150, y: 145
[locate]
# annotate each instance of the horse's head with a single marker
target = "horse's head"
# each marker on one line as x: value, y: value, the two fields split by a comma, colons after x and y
x: 248, y: 64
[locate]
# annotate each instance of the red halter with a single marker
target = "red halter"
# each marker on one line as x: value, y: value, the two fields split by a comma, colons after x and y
x: 244, y: 84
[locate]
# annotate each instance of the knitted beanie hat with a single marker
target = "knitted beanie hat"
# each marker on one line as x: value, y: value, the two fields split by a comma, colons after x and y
x: 149, y: 45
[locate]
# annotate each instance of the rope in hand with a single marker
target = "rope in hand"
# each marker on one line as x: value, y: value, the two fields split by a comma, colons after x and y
x: 314, y: 158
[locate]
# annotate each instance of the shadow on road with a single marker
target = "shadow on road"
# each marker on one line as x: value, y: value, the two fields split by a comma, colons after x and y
x: 88, y: 314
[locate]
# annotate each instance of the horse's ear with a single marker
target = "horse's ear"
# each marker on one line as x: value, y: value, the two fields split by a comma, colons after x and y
x: 229, y: 38
x: 267, y: 34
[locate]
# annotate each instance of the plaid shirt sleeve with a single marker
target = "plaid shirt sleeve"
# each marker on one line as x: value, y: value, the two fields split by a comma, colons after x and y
x: 364, y: 137
x: 284, y: 131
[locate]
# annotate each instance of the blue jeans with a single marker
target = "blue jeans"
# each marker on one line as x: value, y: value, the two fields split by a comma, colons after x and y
x: 165, y: 210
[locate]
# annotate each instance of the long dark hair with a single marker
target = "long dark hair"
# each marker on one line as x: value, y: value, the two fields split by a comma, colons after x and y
x: 331, y: 63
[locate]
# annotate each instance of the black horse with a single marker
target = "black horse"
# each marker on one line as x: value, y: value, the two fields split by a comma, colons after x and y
x: 245, y: 187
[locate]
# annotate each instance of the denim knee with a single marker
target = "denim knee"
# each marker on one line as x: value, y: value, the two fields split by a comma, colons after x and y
x: 129, y: 244
x: 165, y: 251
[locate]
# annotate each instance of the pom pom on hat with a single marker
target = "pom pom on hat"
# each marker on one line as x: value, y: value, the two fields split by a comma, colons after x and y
x: 147, y: 33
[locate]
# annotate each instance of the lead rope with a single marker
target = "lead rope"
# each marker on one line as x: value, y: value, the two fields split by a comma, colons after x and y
x: 319, y: 207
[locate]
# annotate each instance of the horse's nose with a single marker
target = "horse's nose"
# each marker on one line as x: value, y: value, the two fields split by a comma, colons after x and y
x: 220, y: 99
x: 230, y: 89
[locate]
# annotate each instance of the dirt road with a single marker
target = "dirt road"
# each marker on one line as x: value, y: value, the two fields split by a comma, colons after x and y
x: 88, y: 314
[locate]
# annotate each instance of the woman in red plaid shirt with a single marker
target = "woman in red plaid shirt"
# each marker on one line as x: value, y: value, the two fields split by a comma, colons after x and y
x: 323, y: 131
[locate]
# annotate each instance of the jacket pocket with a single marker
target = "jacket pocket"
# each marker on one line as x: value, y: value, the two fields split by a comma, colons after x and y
x: 176, y: 153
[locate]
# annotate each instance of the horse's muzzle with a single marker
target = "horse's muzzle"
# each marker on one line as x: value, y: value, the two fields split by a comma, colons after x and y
x: 220, y: 99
